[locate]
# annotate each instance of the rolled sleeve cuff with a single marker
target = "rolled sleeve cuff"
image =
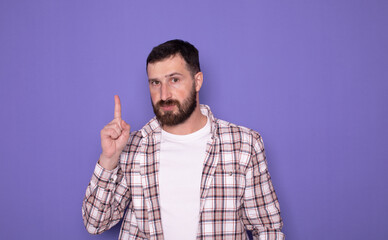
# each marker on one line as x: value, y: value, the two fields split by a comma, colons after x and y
x: 104, y: 178
x: 272, y: 235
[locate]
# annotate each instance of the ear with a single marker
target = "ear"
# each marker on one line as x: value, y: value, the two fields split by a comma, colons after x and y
x: 198, y: 78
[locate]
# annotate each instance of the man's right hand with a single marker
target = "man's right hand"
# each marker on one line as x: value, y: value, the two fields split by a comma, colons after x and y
x: 114, y: 137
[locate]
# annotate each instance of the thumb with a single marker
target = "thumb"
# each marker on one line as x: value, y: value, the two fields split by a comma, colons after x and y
x: 123, y: 139
x: 126, y: 127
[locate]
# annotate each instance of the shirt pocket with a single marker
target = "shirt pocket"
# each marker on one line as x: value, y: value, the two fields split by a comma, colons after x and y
x: 229, y: 180
x: 227, y: 186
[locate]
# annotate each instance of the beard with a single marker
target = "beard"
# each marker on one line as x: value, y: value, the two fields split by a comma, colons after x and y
x: 185, y: 109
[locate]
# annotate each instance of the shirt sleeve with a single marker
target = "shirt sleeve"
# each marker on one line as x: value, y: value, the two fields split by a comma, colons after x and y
x: 106, y: 198
x: 261, y: 213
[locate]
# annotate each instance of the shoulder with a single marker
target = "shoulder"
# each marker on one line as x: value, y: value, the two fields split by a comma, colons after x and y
x: 228, y: 130
x: 130, y: 150
x: 135, y: 135
x: 134, y: 141
x: 225, y: 127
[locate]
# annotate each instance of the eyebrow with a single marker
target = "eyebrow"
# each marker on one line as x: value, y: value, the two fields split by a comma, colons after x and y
x: 167, y: 76
x: 172, y: 74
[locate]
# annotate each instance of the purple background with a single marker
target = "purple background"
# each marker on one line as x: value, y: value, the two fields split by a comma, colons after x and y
x: 310, y: 76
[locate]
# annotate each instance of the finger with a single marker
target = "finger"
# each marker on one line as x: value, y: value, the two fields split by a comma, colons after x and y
x: 107, y: 130
x: 110, y: 133
x: 117, y: 129
x: 117, y: 107
x: 125, y: 125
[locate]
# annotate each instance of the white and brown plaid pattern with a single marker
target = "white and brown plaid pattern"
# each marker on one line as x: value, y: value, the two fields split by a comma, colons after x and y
x: 236, y: 189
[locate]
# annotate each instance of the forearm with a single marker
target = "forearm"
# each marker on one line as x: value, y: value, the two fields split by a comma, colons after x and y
x: 261, y: 205
x: 261, y: 209
x: 105, y: 200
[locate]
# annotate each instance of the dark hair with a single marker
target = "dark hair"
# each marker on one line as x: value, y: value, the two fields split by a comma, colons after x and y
x: 173, y: 47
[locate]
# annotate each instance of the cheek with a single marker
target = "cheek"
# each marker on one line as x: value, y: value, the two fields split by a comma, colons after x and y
x: 154, y: 96
x: 182, y: 93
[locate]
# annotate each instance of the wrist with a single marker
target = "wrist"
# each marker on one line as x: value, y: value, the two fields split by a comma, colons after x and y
x: 108, y: 163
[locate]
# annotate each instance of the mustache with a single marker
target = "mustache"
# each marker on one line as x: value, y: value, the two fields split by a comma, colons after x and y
x: 168, y: 102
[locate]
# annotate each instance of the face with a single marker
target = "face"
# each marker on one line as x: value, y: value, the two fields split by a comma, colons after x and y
x: 173, y: 90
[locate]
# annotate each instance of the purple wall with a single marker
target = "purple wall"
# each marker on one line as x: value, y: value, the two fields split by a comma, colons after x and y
x: 310, y: 76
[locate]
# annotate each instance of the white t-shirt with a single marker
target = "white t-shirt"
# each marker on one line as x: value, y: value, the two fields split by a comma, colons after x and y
x: 180, y: 171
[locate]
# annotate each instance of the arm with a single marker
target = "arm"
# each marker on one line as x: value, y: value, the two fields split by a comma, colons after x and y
x: 261, y: 212
x: 107, y: 194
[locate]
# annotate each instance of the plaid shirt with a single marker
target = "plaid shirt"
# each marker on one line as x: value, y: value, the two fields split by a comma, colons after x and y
x: 236, y: 189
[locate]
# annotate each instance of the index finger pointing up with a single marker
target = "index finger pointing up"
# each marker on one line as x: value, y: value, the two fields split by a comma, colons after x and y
x: 117, y: 107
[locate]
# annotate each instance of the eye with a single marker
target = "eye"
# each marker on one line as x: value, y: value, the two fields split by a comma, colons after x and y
x: 174, y: 80
x: 155, y: 82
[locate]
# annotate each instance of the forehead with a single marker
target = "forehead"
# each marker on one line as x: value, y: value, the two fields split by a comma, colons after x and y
x: 169, y: 65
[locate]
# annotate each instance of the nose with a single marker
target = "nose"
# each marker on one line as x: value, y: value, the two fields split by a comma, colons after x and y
x: 165, y: 92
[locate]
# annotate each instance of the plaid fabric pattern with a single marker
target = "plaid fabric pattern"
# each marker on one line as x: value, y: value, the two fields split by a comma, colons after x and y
x: 236, y: 189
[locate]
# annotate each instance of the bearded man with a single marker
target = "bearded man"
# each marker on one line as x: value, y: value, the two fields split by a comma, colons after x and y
x: 185, y: 174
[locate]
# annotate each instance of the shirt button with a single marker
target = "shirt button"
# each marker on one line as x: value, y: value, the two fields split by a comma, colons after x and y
x: 230, y: 173
x: 113, y: 178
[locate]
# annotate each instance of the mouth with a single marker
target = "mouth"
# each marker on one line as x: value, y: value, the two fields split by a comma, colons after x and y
x: 167, y: 108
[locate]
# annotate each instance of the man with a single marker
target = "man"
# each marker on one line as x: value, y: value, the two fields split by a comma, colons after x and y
x: 185, y: 174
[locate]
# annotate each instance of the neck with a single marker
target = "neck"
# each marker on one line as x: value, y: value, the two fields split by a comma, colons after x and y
x: 195, y: 122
